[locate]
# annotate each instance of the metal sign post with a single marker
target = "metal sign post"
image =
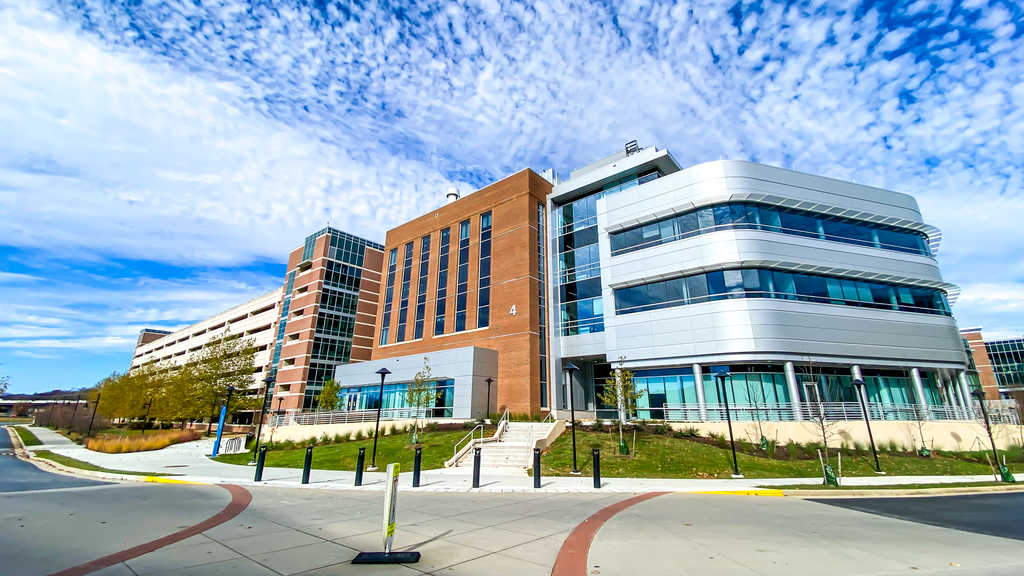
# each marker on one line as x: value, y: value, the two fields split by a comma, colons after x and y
x: 388, y: 532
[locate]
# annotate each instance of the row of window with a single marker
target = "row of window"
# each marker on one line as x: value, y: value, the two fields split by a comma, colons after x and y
x: 403, y: 306
x: 462, y: 278
x: 331, y: 324
x: 282, y: 323
x: 442, y: 281
x: 542, y: 307
x: 341, y: 246
x: 763, y: 283
x: 582, y: 212
x: 331, y: 350
x: 338, y: 275
x: 336, y: 301
x: 389, y: 295
x: 483, y: 316
x: 740, y: 216
x: 421, y: 295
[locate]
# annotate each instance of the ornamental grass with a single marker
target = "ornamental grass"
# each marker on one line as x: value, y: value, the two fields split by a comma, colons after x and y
x: 141, y: 443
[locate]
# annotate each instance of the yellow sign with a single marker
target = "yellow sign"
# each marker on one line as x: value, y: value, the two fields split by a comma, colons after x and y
x: 390, y: 505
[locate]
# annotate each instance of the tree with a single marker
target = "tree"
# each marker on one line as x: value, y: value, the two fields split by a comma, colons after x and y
x: 328, y: 397
x: 620, y: 390
x: 5, y: 381
x: 420, y: 394
x: 820, y: 419
x: 759, y: 403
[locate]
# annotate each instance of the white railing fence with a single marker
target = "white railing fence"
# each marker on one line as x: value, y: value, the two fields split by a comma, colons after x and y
x: 792, y: 412
x: 347, y: 416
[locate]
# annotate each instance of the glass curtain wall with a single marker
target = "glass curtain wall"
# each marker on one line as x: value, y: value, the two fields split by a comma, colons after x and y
x: 369, y: 398
x: 542, y: 307
x: 763, y: 283
x: 483, y: 318
x: 442, y: 282
x: 462, y: 278
x: 389, y: 295
x: 403, y: 303
x: 739, y: 216
x: 421, y: 294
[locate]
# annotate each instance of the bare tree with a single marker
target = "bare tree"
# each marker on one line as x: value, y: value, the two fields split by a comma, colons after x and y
x: 819, y: 391
x: 759, y: 403
x: 420, y: 394
x: 620, y: 390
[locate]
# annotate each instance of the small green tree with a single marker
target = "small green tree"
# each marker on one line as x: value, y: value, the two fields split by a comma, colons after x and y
x: 620, y: 390
x: 420, y: 394
x: 328, y: 397
x: 4, y: 382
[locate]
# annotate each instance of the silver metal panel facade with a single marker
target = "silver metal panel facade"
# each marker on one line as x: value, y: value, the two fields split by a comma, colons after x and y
x: 469, y: 367
x: 754, y: 330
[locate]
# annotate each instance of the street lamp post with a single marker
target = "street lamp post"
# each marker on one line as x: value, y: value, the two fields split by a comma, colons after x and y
x: 572, y: 414
x: 74, y: 413
x: 268, y: 383
x: 861, y: 388
x: 95, y: 407
x: 147, y: 406
x: 380, y: 404
x: 728, y: 418
x: 1003, y: 471
x: 487, y: 407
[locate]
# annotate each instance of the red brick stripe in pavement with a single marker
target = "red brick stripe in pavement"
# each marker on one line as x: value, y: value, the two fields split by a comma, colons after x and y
x: 240, y: 499
x: 572, y: 557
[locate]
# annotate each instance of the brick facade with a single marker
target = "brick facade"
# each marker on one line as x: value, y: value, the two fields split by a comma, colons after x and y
x: 983, y: 363
x: 513, y: 203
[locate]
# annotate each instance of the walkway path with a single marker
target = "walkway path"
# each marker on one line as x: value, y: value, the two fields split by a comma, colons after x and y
x: 191, y: 462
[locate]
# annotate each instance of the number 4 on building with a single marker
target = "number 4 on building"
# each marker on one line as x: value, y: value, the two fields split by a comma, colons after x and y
x: 512, y: 312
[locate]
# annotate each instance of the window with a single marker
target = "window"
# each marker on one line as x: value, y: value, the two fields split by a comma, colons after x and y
x: 483, y: 317
x: 462, y: 278
x: 542, y: 309
x: 739, y: 216
x: 403, y: 306
x: 442, y: 282
x: 421, y: 294
x: 389, y: 294
x: 763, y: 283
x: 579, y: 278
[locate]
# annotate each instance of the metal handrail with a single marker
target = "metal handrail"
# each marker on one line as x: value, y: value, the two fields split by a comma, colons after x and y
x: 794, y: 411
x: 470, y: 436
x: 550, y: 416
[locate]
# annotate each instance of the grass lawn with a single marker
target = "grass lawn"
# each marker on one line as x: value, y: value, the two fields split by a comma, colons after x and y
x: 437, y: 447
x: 892, y: 487
x: 660, y: 456
x: 75, y: 463
x: 27, y: 437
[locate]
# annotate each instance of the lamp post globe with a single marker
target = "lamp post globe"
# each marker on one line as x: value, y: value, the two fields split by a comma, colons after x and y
x: 571, y: 368
x: 380, y: 405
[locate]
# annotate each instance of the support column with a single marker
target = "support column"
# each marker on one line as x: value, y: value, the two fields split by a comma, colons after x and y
x: 794, y: 391
x: 965, y: 393
x: 915, y: 376
x: 702, y: 403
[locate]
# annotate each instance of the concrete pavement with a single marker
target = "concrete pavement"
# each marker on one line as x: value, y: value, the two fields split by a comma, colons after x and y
x: 191, y: 462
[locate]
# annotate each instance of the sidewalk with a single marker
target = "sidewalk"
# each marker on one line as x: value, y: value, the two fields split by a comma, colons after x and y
x: 190, y: 462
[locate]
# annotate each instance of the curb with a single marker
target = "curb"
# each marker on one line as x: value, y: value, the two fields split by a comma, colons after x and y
x: 912, y: 493
x: 764, y: 492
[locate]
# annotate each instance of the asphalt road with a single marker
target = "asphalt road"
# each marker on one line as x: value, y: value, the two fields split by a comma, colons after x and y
x: 17, y: 475
x: 992, y: 514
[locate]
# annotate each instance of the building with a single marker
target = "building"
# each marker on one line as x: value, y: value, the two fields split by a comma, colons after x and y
x: 999, y: 364
x: 788, y: 285
x: 795, y: 284
x: 328, y: 309
x: 254, y: 319
x: 469, y: 275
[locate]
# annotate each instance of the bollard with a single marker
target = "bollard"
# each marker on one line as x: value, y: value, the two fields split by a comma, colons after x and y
x: 259, y: 464
x: 597, y: 468
x: 360, y: 460
x: 536, y: 467
x: 307, y: 464
x: 416, y: 468
x: 476, y: 467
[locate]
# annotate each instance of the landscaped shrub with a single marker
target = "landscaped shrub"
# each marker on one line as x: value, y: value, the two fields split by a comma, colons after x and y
x: 718, y: 439
x: 794, y: 450
x: 893, y: 446
x: 142, y: 443
x: 433, y: 426
x: 598, y: 425
x: 659, y: 429
x: 640, y: 426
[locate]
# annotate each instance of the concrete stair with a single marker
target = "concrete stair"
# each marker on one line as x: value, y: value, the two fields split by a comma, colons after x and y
x: 513, y: 450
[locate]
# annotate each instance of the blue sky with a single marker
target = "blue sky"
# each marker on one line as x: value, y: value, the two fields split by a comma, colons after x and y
x: 160, y: 159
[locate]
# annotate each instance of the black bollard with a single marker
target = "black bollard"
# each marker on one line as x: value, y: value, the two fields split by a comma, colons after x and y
x: 597, y: 468
x: 476, y: 467
x: 536, y: 467
x: 416, y: 468
x: 307, y: 464
x: 259, y: 464
x: 360, y: 460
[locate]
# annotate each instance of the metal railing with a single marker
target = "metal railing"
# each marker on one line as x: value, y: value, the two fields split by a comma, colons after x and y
x: 347, y: 416
x: 471, y: 437
x: 792, y: 412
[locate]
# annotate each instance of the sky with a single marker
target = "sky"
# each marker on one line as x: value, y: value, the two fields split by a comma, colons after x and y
x: 159, y: 159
